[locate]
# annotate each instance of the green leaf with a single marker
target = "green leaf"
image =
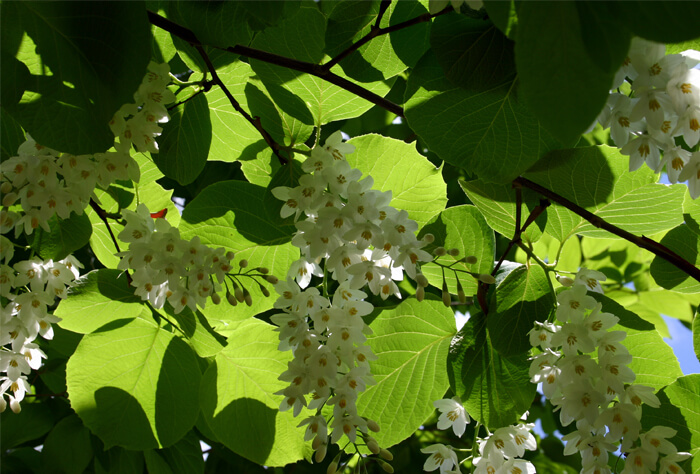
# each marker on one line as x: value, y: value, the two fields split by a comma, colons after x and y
x: 463, y: 228
x: 552, y: 62
x: 184, y: 144
x: 264, y: 14
x: 696, y: 335
x: 220, y: 24
x: 675, y: 48
x: 411, y: 342
x: 197, y: 331
x: 522, y: 298
x: 84, y: 81
x: 486, y: 130
x: 34, y: 421
x: 471, y: 52
x: 11, y: 134
x: 605, y: 42
x: 495, y: 389
x: 680, y: 405
x: 96, y: 299
x: 596, y: 178
x: 238, y: 401
x: 415, y: 183
x: 66, y: 236
x: 234, y: 215
x: 653, y: 361
x: 504, y: 16
x: 183, y: 456
x: 135, y: 386
x: 659, y: 21
x: 67, y: 448
x: 686, y: 244
x: 119, y: 461
x: 307, y: 98
x: 691, y: 213
x: 497, y: 204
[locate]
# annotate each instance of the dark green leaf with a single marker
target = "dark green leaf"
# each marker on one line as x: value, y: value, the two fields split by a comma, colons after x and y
x: 504, y: 16
x: 67, y: 448
x: 66, y: 236
x: 11, y: 134
x: 34, y: 421
x: 605, y: 42
x: 660, y: 21
x: 119, y: 461
x: 685, y: 243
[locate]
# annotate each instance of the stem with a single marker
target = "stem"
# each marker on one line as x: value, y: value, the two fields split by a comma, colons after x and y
x: 644, y: 242
x: 102, y: 214
x: 302, y: 66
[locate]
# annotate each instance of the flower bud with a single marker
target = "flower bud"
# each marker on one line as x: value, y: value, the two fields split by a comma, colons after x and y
x: 321, y: 452
x: 231, y: 299
x: 386, y: 466
x: 5, y: 187
x: 272, y: 279
x: 265, y: 291
x: 421, y: 279
x: 3, y: 404
x: 428, y: 238
x: 263, y: 270
x: 14, y: 406
x: 565, y: 281
x: 333, y: 466
x: 243, y: 263
x: 386, y: 454
x: 453, y: 252
x: 373, y: 426
x: 9, y: 199
x: 372, y: 445
x: 471, y: 259
x: 316, y: 443
x: 460, y: 293
x: 446, y: 298
x: 239, y: 294
x: 420, y: 293
x: 215, y: 298
x: 439, y: 251
x: 486, y: 278
x: 247, y: 298
x: 230, y: 255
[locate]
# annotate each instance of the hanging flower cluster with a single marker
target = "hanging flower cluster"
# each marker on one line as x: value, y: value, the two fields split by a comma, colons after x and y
x: 664, y: 104
x: 500, y: 451
x: 30, y: 287
x: 599, y: 395
x: 184, y: 273
x: 39, y: 183
x: 353, y: 235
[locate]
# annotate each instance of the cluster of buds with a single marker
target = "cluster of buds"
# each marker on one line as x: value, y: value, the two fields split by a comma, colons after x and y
x: 469, y: 260
x: 352, y: 235
x: 30, y: 287
x: 599, y: 395
x: 185, y: 273
x: 664, y: 104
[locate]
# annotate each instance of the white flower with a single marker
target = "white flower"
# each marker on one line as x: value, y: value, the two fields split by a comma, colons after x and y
x: 441, y: 456
x: 691, y: 173
x: 452, y: 413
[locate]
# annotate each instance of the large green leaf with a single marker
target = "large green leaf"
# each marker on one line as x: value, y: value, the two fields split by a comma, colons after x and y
x: 135, y: 386
x: 680, y: 405
x: 67, y: 106
x: 183, y: 456
x: 691, y: 213
x: 471, y: 52
x: 197, y: 330
x: 415, y: 183
x: 606, y: 43
x: 686, y: 244
x: 307, y: 98
x: 659, y: 21
x: 220, y: 24
x: 236, y: 216
x: 653, y: 360
x: 238, y: 401
x: 497, y: 204
x: 522, y: 298
x: 65, y: 237
x: 67, y: 448
x: 552, y: 62
x: 486, y: 130
x: 596, y: 178
x: 411, y: 342
x: 11, y: 135
x: 495, y: 389
x: 118, y: 461
x: 184, y: 144
x: 463, y: 228
x: 96, y: 299
x: 33, y: 422
x: 696, y: 335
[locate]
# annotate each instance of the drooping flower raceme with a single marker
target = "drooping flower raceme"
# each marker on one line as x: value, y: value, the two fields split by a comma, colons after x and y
x: 348, y: 232
x: 599, y: 395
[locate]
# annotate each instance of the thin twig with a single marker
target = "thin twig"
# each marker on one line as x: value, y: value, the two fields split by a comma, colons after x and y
x: 255, y: 121
x: 205, y: 88
x: 301, y: 66
x: 102, y: 214
x: 643, y: 242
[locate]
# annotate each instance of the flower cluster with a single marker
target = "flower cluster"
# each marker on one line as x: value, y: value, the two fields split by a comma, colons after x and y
x: 664, y: 104
x: 353, y: 235
x: 47, y: 182
x: 185, y: 273
x: 599, y: 395
x: 500, y: 451
x: 30, y: 287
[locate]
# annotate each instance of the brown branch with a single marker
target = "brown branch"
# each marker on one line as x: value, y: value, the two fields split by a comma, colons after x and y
x: 301, y: 66
x: 376, y: 31
x: 205, y: 88
x: 102, y: 214
x: 643, y: 242
x: 255, y: 121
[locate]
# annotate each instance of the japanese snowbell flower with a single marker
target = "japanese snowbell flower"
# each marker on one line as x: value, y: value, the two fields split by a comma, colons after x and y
x: 691, y: 173
x: 452, y: 413
x: 441, y: 456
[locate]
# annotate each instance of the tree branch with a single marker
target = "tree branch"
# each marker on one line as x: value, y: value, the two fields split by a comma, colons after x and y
x: 644, y: 242
x: 102, y: 214
x: 255, y: 121
x: 301, y: 66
